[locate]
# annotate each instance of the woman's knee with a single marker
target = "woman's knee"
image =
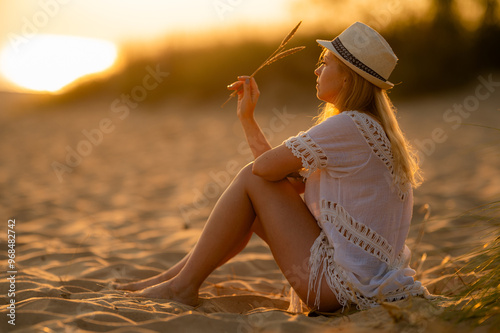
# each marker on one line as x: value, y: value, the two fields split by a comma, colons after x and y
x: 253, y: 182
x: 247, y: 176
x: 245, y: 173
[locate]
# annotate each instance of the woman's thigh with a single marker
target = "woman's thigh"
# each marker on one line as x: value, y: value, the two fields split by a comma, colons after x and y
x: 288, y: 227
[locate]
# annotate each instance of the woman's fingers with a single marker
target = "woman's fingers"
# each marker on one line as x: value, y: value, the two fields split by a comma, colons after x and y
x: 255, y: 88
x: 251, y: 89
x: 235, y: 85
x: 238, y: 84
x: 246, y: 87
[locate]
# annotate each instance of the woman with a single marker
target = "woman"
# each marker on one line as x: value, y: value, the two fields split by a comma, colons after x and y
x: 358, y: 171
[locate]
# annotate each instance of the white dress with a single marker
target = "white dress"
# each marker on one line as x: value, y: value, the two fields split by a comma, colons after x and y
x: 363, y: 208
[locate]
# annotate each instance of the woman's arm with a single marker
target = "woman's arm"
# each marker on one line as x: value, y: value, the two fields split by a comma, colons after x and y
x: 271, y: 164
x: 277, y: 164
x: 248, y: 95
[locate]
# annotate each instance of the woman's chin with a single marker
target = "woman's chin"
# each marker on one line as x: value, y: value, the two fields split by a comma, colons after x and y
x: 326, y: 99
x: 321, y: 98
x: 318, y: 95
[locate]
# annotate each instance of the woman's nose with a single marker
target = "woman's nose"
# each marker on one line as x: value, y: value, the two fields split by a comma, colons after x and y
x: 319, y: 70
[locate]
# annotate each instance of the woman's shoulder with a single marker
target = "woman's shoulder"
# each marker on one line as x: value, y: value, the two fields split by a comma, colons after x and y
x: 356, y: 126
x: 336, y: 127
x: 360, y: 116
x: 338, y: 121
x: 352, y: 116
x: 367, y: 124
x: 363, y: 121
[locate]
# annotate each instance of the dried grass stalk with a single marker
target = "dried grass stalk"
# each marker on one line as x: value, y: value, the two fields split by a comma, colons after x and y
x: 477, y: 301
x: 285, y: 54
x: 290, y: 35
x: 275, y: 56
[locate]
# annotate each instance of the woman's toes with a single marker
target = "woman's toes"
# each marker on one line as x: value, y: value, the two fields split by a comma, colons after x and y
x: 133, y: 286
x: 120, y: 286
x: 166, y: 291
x: 116, y: 285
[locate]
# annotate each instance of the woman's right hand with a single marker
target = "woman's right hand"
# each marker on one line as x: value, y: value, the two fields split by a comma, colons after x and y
x: 248, y: 95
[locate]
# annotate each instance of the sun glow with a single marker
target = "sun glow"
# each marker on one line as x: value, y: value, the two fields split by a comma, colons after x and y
x: 51, y: 62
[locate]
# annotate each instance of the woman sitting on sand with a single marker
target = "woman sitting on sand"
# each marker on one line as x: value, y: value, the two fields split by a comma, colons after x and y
x: 358, y: 173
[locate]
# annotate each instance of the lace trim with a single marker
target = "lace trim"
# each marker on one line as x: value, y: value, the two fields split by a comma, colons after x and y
x: 356, y: 232
x: 308, y: 151
x: 376, y: 138
x: 399, y: 260
x: 321, y: 263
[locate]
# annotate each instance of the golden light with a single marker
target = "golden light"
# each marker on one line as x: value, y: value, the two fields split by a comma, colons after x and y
x: 51, y: 62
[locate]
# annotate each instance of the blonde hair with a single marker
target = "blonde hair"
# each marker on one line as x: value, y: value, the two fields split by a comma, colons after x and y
x: 358, y: 94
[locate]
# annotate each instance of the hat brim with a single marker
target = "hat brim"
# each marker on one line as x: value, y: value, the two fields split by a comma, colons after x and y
x: 370, y: 78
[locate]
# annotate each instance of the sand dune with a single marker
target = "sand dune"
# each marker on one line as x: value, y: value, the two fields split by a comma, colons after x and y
x: 136, y: 204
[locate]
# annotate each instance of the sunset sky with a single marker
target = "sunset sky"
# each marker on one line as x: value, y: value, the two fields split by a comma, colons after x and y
x: 31, y: 43
x: 122, y: 20
x: 116, y: 21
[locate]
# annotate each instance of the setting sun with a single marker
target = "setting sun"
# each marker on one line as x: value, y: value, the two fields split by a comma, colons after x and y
x: 51, y: 62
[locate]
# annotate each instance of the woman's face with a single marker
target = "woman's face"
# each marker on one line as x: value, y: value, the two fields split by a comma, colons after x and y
x: 331, y: 78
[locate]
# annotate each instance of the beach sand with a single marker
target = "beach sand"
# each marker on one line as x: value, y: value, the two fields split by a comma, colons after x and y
x: 136, y: 199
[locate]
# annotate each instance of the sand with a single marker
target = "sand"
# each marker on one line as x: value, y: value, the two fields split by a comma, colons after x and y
x: 136, y: 203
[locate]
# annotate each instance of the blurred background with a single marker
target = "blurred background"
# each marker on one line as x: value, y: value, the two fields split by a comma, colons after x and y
x: 58, y: 46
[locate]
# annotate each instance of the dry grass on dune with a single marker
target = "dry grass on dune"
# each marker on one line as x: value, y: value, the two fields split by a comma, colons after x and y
x: 478, y: 273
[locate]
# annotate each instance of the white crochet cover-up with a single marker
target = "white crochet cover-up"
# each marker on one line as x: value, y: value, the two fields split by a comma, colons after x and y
x: 363, y: 208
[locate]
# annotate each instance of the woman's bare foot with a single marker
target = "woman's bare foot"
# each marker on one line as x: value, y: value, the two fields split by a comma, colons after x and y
x: 142, y: 284
x: 154, y: 280
x: 170, y: 290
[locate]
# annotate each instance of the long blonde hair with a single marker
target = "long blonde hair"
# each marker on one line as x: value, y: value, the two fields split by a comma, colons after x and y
x: 360, y: 95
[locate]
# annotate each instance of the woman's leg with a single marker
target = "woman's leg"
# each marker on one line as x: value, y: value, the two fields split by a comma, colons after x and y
x: 174, y: 270
x: 285, y: 224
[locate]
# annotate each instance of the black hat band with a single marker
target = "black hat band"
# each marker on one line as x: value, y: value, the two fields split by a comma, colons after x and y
x: 341, y: 49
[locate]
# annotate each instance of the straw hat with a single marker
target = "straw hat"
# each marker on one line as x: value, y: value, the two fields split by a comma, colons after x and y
x: 366, y: 52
